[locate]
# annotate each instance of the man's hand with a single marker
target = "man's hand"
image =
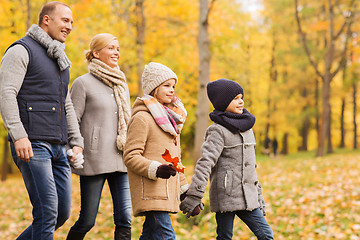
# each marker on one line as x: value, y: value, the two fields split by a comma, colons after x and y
x: 76, y: 150
x: 23, y: 149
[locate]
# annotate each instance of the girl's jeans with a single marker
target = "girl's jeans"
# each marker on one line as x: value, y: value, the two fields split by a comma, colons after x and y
x: 253, y: 219
x: 91, y: 188
x: 47, y: 178
x: 157, y: 226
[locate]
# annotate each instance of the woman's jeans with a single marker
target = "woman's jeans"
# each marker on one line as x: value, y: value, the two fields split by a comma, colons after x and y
x: 47, y: 178
x: 91, y: 188
x: 157, y: 226
x: 253, y: 219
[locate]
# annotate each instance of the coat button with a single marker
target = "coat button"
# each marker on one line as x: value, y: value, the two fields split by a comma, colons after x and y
x: 30, y: 108
x: 246, y: 164
x: 53, y: 109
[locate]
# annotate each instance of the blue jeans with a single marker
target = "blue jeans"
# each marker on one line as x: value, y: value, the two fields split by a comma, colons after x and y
x: 157, y: 226
x: 91, y: 188
x: 253, y: 219
x: 47, y: 178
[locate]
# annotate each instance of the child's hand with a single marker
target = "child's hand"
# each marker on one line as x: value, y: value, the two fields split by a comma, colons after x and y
x: 191, y: 205
x: 165, y: 171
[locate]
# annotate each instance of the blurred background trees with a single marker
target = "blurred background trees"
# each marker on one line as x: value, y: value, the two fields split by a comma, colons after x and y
x: 298, y: 60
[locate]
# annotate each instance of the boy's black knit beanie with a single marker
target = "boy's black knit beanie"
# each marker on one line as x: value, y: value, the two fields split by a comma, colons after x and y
x: 222, y: 91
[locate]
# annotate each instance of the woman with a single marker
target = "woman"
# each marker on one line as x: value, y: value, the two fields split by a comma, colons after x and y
x: 102, y: 105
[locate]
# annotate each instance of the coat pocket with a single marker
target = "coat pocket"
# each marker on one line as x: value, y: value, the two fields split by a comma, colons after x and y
x: 155, y: 189
x: 228, y: 180
x: 95, y: 138
x: 43, y: 118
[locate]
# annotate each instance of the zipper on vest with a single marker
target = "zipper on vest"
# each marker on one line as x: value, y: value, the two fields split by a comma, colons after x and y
x: 61, y: 137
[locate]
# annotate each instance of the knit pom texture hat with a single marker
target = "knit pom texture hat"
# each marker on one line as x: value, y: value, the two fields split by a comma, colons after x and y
x: 154, y: 75
x: 222, y: 91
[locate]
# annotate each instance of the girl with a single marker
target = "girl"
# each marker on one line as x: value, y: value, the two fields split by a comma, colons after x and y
x: 153, y: 136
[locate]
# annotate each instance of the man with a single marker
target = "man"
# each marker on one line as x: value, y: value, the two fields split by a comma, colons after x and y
x: 40, y: 117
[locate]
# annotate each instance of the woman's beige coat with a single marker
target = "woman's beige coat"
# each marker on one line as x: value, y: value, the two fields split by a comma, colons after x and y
x: 145, y: 144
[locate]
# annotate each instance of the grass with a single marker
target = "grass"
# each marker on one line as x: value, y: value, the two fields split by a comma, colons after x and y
x: 307, y: 198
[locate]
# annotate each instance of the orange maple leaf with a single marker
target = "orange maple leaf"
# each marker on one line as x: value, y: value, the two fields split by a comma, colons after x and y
x: 177, y: 165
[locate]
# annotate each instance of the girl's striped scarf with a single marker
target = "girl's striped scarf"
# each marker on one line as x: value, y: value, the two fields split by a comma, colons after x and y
x: 169, y: 118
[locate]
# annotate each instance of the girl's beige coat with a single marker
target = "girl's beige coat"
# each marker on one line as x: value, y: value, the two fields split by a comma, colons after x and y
x: 145, y: 144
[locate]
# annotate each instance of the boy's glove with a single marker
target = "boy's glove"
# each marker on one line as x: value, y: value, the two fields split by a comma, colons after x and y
x: 191, y: 205
x: 165, y: 171
x: 79, y: 159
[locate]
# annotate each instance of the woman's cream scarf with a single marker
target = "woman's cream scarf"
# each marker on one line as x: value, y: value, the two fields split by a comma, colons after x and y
x: 115, y: 78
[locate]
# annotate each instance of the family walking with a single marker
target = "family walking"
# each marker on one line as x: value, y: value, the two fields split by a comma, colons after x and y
x: 91, y: 130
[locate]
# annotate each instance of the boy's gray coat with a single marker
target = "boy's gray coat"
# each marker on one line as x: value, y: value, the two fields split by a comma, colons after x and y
x: 229, y: 159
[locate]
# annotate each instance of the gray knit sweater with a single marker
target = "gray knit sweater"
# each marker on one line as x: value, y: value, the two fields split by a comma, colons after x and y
x: 12, y: 72
x: 229, y: 160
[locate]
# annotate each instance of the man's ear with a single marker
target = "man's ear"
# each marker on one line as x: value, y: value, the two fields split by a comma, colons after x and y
x: 46, y: 20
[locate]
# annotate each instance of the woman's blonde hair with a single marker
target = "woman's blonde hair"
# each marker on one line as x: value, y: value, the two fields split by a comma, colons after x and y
x: 98, y: 42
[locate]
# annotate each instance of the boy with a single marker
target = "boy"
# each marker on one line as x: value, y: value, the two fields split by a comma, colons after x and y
x: 228, y: 157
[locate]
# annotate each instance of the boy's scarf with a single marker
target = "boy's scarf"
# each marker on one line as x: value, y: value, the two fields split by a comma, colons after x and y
x: 232, y: 121
x: 169, y: 118
x: 54, y: 48
x: 114, y: 78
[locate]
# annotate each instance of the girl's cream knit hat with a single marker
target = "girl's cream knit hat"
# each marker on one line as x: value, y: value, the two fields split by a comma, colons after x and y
x: 154, y: 75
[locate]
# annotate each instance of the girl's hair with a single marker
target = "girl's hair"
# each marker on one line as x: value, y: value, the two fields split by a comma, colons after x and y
x: 154, y: 92
x: 97, y: 43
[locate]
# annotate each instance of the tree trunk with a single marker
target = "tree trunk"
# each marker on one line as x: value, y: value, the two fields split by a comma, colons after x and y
x: 305, y: 134
x: 342, y: 117
x: 273, y: 77
x: 28, y: 17
x: 342, y: 127
x: 285, y: 148
x: 5, y: 165
x: 140, y: 40
x: 330, y: 148
x: 202, y: 112
x: 354, y: 115
x: 317, y: 112
x: 324, y: 126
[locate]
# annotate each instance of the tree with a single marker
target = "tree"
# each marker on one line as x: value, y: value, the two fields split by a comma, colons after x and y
x: 140, y: 40
x: 331, y: 56
x: 204, y: 75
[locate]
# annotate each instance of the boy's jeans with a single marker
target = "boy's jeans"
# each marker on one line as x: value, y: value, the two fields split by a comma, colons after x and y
x: 47, y: 178
x: 157, y: 226
x: 253, y: 219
